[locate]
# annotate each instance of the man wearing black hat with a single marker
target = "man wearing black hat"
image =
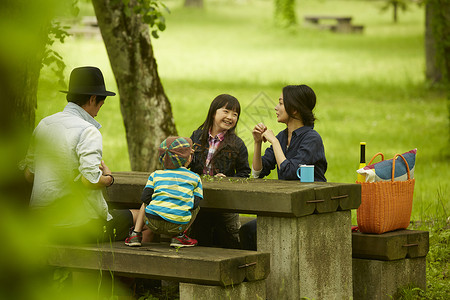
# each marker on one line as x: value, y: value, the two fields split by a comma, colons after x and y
x: 65, y: 164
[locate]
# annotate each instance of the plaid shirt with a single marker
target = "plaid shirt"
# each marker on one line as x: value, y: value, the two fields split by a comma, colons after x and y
x: 231, y: 158
x: 214, y: 143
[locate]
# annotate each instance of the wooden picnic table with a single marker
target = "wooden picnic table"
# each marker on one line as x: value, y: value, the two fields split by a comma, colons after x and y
x: 343, y: 23
x: 339, y: 19
x: 305, y: 226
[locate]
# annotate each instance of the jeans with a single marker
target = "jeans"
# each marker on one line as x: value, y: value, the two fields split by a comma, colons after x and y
x: 214, y: 229
x: 247, y: 234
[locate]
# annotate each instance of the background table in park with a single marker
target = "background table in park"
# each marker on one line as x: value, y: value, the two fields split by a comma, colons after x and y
x: 305, y: 226
x: 343, y: 24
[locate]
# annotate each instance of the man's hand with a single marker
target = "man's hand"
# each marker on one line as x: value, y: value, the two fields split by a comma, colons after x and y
x: 104, y: 181
x: 29, y: 176
x: 104, y: 168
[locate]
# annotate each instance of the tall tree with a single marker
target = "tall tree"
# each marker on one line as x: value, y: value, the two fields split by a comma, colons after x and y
x: 26, y: 36
x: 437, y: 41
x: 285, y: 13
x: 396, y: 5
x: 146, y: 110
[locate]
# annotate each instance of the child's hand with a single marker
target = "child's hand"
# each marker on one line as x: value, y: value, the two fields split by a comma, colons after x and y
x: 220, y: 175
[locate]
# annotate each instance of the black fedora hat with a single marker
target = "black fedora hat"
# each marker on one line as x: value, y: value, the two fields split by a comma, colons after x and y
x: 87, y: 81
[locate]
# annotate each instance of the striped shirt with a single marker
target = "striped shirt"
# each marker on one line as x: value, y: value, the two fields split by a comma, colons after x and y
x: 173, y: 195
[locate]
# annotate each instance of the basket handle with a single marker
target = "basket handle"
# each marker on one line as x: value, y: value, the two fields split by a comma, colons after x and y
x: 393, y: 166
x: 379, y: 153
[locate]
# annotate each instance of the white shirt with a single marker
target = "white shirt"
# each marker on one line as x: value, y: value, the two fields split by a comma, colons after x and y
x: 64, y: 147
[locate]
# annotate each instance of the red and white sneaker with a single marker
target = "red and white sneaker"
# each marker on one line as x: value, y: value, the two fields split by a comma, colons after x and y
x: 134, y: 239
x: 183, y: 241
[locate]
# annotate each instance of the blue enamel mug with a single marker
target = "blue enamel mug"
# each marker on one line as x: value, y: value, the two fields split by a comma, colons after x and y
x: 306, y: 173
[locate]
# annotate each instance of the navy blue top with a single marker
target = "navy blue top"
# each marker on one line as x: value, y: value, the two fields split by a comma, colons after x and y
x: 306, y: 148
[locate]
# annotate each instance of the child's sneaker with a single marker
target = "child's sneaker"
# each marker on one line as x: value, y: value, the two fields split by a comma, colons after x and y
x: 134, y: 239
x: 183, y: 241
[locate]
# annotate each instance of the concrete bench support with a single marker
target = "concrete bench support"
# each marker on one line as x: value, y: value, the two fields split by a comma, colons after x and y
x: 309, y: 255
x: 376, y: 279
x: 246, y: 290
x: 384, y: 263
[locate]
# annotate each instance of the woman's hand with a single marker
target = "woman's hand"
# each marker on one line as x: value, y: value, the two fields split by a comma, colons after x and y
x: 257, y: 132
x: 269, y: 136
x: 277, y: 151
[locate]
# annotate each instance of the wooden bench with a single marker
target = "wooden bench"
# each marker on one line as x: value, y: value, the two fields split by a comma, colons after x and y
x: 304, y: 226
x: 215, y: 272
x: 384, y: 263
x: 87, y: 27
x: 341, y: 24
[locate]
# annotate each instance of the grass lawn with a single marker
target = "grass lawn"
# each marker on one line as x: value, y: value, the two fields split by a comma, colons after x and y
x: 370, y: 87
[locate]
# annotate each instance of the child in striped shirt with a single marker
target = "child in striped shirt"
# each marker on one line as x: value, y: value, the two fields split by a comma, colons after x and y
x: 171, y: 196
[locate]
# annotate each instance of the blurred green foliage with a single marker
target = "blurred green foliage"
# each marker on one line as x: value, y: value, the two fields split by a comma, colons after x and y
x: 370, y: 88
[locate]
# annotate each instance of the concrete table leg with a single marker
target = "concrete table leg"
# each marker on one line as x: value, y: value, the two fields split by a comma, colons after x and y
x: 310, y: 256
x: 252, y: 290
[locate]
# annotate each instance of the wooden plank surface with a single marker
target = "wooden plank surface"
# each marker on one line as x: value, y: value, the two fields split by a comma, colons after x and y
x: 392, y: 245
x: 252, y: 196
x: 324, y: 17
x: 201, y: 265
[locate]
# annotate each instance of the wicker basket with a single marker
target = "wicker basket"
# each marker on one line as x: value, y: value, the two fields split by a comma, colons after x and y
x: 385, y: 205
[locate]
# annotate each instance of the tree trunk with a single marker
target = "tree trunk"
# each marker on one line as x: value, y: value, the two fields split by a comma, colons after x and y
x: 20, y: 66
x: 285, y: 13
x: 21, y: 54
x: 17, y: 112
x: 395, y: 12
x: 146, y: 111
x: 20, y: 94
x: 193, y: 3
x: 437, y: 41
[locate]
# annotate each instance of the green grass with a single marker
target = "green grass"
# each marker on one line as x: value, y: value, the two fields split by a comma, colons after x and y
x: 438, y: 262
x: 370, y: 86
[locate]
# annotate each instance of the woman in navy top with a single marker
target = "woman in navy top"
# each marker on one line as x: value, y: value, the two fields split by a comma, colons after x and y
x: 298, y: 144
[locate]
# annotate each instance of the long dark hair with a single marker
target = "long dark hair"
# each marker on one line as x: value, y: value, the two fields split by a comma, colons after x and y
x: 300, y: 98
x: 223, y: 100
